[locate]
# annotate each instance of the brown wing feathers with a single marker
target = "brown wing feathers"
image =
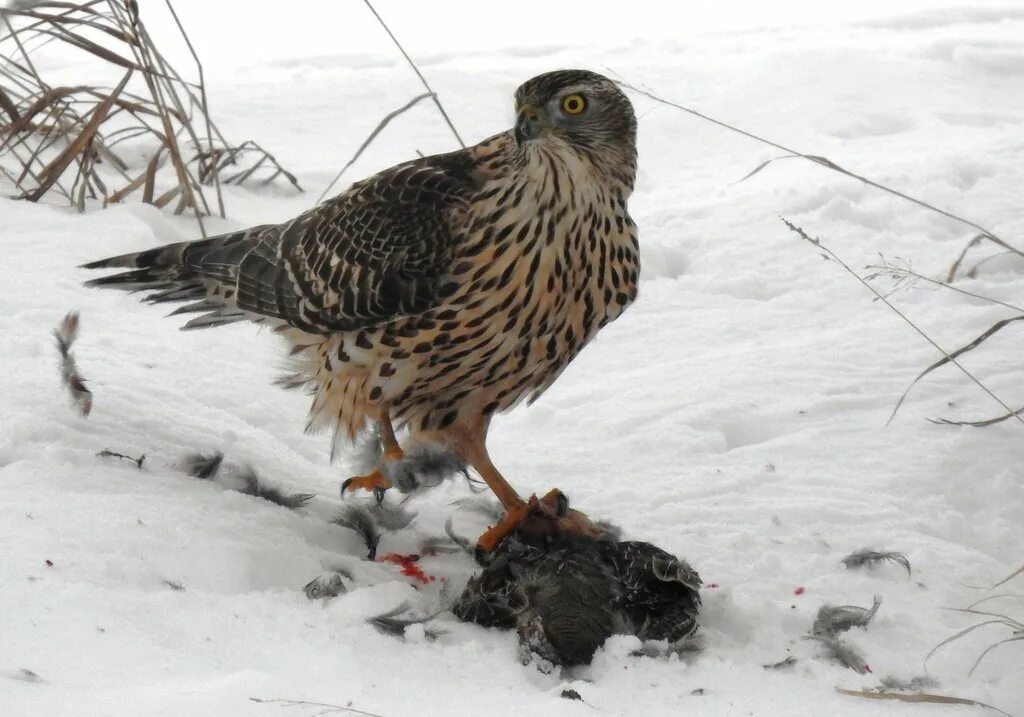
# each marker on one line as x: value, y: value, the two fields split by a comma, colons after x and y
x: 375, y: 252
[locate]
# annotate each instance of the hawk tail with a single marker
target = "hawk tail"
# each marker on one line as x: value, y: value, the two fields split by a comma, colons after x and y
x: 183, y: 272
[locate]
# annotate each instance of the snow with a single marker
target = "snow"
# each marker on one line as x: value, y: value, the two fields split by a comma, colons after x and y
x: 736, y: 415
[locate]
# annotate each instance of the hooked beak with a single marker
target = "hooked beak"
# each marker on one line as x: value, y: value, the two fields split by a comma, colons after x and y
x: 528, y: 124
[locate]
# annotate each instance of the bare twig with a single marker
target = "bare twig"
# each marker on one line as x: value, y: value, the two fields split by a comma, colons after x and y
x: 69, y: 130
x: 106, y: 453
x: 304, y: 703
x: 377, y: 130
x: 824, y: 162
x: 1016, y: 633
x: 948, y: 358
x: 951, y: 357
x: 419, y: 74
x: 889, y: 269
x: 1008, y: 578
x: 982, y: 423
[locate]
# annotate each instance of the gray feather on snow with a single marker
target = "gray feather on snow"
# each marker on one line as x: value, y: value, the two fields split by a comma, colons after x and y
x: 842, y: 652
x: 866, y: 558
x: 834, y: 619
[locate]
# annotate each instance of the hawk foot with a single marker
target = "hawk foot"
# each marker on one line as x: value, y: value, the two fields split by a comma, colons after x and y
x: 375, y: 481
x: 537, y: 517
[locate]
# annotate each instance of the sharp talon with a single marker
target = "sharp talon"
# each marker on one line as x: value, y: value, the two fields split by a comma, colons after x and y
x: 561, y: 504
x: 378, y: 494
x: 375, y: 481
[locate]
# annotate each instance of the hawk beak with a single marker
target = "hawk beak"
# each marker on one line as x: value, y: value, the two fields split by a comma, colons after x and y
x: 528, y: 124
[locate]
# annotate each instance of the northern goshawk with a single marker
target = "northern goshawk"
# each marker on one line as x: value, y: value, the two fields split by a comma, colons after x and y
x: 444, y: 290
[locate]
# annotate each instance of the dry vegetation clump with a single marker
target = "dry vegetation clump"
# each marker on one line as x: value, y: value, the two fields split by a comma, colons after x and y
x: 143, y: 130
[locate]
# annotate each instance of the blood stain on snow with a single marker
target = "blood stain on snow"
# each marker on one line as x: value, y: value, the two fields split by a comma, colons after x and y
x: 799, y: 590
x: 409, y: 567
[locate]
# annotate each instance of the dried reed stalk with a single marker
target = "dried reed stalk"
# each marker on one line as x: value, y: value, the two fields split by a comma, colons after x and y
x: 66, y: 138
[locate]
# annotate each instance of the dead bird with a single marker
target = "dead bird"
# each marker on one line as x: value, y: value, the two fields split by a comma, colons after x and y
x: 566, y: 594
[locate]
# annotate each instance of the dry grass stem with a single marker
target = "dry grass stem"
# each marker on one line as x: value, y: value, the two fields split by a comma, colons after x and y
x: 419, y: 74
x: 327, y: 708
x: 920, y: 697
x: 985, y: 234
x: 83, y: 142
x: 376, y: 130
x: 1016, y: 628
x: 904, y: 276
x: 947, y: 357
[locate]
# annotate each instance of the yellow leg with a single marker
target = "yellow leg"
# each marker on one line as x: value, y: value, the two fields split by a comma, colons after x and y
x: 537, y: 516
x: 377, y: 481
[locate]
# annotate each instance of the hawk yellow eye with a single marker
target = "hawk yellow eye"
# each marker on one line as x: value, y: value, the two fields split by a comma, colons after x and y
x: 573, y: 104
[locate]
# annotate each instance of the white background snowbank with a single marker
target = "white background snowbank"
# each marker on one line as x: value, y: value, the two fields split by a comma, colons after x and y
x: 735, y: 416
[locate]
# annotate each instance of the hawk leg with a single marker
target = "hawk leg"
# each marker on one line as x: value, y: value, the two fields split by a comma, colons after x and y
x: 549, y: 515
x: 537, y: 516
x: 376, y: 480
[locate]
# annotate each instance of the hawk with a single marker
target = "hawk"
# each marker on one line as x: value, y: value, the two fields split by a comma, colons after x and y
x: 444, y: 290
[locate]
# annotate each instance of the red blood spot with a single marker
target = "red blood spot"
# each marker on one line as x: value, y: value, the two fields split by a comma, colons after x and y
x: 49, y: 563
x: 409, y: 567
x: 799, y: 590
x: 868, y: 668
x: 711, y: 586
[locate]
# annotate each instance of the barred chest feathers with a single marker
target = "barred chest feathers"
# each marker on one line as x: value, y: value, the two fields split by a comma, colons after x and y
x: 545, y: 262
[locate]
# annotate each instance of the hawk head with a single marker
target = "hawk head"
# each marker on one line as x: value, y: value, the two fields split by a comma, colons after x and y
x: 578, y: 108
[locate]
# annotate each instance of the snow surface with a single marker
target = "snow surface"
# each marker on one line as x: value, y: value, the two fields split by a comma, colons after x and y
x: 736, y: 415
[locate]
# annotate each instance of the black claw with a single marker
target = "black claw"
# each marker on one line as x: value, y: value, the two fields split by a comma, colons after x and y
x: 378, y: 493
x: 561, y: 505
x: 344, y: 486
x: 481, y: 556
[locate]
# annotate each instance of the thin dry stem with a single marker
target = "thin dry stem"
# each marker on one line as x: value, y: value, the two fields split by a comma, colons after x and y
x: 947, y: 358
x: 419, y: 74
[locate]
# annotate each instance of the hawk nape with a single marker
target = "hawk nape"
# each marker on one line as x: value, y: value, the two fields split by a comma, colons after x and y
x: 443, y: 290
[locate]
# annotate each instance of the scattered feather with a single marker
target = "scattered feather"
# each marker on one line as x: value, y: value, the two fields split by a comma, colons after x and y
x: 914, y: 684
x: 23, y: 674
x: 391, y: 517
x: 389, y: 623
x: 203, y: 466
x: 781, y: 664
x: 359, y: 519
x: 870, y: 558
x: 462, y: 542
x: 325, y: 586
x: 439, y: 545
x: 66, y: 334
x: 252, y: 485
x: 174, y: 585
x: 485, y: 506
x: 834, y: 619
x: 424, y: 466
x: 843, y: 653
